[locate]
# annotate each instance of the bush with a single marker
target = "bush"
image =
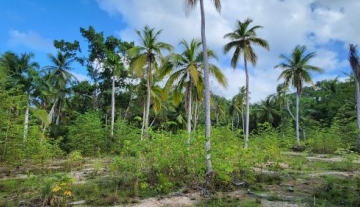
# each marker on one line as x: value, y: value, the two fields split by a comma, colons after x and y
x: 87, y: 134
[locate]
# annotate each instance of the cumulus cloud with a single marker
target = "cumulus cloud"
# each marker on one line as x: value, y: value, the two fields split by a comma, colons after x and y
x: 29, y: 39
x: 315, y: 23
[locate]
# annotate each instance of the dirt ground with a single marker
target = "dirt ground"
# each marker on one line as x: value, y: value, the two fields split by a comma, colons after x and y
x: 288, y: 192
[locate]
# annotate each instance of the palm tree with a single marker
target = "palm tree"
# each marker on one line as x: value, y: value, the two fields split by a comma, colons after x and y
x: 189, y: 76
x: 60, y: 78
x: 242, y: 40
x: 147, y: 55
x: 114, y: 62
x: 23, y: 72
x: 296, y: 72
x: 355, y: 66
x: 190, y: 4
x: 239, y: 103
x: 267, y: 111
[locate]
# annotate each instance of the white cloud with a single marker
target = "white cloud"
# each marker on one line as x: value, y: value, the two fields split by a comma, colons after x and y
x: 29, y: 39
x: 286, y: 24
x: 80, y: 77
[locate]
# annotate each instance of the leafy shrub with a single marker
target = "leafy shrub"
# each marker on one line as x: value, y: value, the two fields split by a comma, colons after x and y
x: 87, y: 134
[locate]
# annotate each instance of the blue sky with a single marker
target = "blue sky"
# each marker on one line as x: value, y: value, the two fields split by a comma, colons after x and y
x: 324, y: 26
x: 32, y: 25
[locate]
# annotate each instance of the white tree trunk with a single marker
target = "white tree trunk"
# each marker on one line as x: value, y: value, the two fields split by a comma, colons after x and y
x: 148, y: 96
x: 112, y: 107
x: 357, y: 113
x: 247, y: 106
x: 207, y: 92
x: 297, y: 119
x: 50, y: 115
x: 58, y: 115
x: 189, y: 114
x: 26, y: 121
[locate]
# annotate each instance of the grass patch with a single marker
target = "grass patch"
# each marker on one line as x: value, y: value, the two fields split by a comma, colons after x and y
x: 229, y: 202
x: 339, y: 191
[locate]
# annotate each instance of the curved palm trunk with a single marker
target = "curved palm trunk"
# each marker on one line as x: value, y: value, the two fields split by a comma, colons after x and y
x: 112, y: 107
x: 247, y: 106
x: 207, y: 92
x: 297, y: 119
x: 189, y: 113
x: 357, y: 112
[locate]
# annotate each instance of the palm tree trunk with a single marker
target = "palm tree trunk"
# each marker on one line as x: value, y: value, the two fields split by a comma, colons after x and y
x: 58, y: 115
x: 297, y: 119
x: 209, y: 169
x: 247, y: 106
x: 112, y: 108
x: 238, y: 120
x: 26, y: 121
x: 148, y: 95
x: 196, y: 115
x: 189, y: 114
x: 128, y: 108
x: 50, y: 115
x: 143, y: 122
x: 357, y: 113
x: 232, y: 123
x: 243, y: 123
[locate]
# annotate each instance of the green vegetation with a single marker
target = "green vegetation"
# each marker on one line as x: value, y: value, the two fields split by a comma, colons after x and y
x: 121, y: 137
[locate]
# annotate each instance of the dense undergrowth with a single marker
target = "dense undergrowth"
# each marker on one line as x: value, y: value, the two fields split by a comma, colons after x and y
x: 127, y: 167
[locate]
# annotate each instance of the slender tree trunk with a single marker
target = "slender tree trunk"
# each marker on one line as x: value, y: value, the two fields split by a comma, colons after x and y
x: 143, y: 122
x: 112, y: 108
x: 58, y: 115
x: 247, y: 106
x: 189, y: 113
x: 153, y: 121
x: 148, y: 95
x: 196, y: 115
x: 243, y: 123
x: 238, y: 120
x: 26, y: 121
x: 128, y: 108
x: 232, y: 123
x: 297, y: 119
x: 357, y: 113
x: 209, y: 169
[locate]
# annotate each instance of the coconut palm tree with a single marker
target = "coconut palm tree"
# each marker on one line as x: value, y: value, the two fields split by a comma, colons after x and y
x: 188, y: 75
x: 355, y: 66
x: 114, y: 62
x: 237, y: 105
x: 267, y: 111
x: 146, y: 56
x: 23, y: 73
x: 61, y: 78
x: 191, y: 4
x: 296, y: 72
x: 242, y: 40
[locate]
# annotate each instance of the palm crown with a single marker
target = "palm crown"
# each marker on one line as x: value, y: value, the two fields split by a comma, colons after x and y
x: 296, y: 70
